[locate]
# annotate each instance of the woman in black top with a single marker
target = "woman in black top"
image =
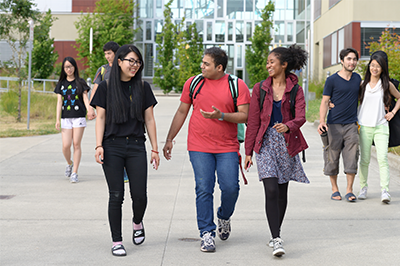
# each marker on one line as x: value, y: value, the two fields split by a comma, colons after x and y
x: 124, y: 105
x: 72, y: 103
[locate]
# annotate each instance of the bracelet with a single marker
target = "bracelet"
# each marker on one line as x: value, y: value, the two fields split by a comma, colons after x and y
x: 98, y: 146
x: 155, y: 151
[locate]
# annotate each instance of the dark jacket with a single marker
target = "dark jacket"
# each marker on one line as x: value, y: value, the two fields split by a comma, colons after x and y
x: 257, y: 122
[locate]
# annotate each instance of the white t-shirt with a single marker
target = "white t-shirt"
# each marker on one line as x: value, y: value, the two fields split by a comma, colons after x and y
x: 371, y: 112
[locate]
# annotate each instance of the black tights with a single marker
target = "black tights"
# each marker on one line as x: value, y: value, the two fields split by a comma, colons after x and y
x: 275, y: 204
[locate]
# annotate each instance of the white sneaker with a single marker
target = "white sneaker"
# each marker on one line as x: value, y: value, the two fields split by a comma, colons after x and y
x: 385, y: 197
x: 68, y: 170
x: 207, y: 242
x: 363, y: 193
x: 74, y: 178
x: 278, y: 247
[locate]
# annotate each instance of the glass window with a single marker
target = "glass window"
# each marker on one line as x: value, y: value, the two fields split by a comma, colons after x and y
x: 235, y: 10
x: 300, y: 32
x: 230, y: 31
x: 334, y: 55
x: 249, y: 6
x: 148, y: 30
x: 289, y: 31
x: 239, y: 31
x: 146, y: 9
x: 139, y: 33
x: 220, y: 9
x: 279, y: 36
x: 200, y: 28
x: 239, y: 55
x: 204, y: 9
x: 209, y: 31
x: 231, y: 56
x: 219, y: 31
x: 340, y: 41
x: 158, y: 24
x: 177, y: 8
x: 248, y: 30
x: 289, y: 14
x: 369, y: 35
x: 148, y: 59
x: 159, y: 8
x: 260, y: 5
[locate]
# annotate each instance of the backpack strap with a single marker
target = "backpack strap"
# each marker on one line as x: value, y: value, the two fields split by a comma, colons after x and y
x: 292, y: 100
x: 262, y: 95
x: 195, y: 81
x: 102, y: 72
x: 234, y: 88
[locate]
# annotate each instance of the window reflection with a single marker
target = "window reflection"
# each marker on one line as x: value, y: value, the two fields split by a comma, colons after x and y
x: 230, y: 31
x: 146, y: 9
x: 148, y: 30
x: 157, y: 28
x: 260, y: 5
x: 220, y: 31
x: 209, y: 31
x: 220, y: 8
x: 148, y: 59
x: 204, y: 9
x: 235, y: 9
x: 248, y: 31
x: 177, y: 8
x: 239, y: 31
x: 279, y: 32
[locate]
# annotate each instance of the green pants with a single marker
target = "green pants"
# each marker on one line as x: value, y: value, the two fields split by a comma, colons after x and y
x: 380, y: 136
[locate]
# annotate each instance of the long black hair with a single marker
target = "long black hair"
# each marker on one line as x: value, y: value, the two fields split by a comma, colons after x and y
x: 116, y: 109
x: 294, y: 55
x: 381, y: 58
x: 78, y: 80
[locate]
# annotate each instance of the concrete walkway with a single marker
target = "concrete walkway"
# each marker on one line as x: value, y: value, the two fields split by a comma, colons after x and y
x: 45, y: 220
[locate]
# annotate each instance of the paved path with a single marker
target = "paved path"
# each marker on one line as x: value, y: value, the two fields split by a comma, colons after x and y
x: 48, y: 221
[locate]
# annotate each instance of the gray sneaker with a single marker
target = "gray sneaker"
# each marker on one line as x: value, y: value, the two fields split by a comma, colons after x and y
x: 278, y: 247
x: 207, y: 242
x: 385, y: 197
x: 74, y: 178
x: 363, y: 193
x: 224, y: 228
x: 68, y: 170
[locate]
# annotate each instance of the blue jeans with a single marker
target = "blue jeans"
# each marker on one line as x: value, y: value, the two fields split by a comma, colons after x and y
x: 204, y: 167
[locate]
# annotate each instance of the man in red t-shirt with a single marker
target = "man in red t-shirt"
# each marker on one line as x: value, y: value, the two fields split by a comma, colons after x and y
x: 212, y: 142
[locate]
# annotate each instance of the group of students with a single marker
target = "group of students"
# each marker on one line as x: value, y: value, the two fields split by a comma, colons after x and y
x: 124, y: 105
x: 360, y: 111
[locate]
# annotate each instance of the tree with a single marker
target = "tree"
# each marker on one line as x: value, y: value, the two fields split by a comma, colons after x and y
x: 43, y: 55
x: 389, y: 42
x: 111, y: 20
x: 14, y: 18
x: 189, y: 56
x: 257, y: 52
x: 165, y: 71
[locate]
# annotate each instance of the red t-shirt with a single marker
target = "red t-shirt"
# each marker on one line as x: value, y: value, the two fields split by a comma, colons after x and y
x: 212, y: 135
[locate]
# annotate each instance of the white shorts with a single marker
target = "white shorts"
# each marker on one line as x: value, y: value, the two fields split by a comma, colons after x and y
x: 69, y: 123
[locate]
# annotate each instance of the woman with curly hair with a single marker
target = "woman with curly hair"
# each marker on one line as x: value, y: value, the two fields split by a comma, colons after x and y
x: 274, y: 134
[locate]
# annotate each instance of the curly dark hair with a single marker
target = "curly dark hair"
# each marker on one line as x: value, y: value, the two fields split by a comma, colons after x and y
x: 294, y: 56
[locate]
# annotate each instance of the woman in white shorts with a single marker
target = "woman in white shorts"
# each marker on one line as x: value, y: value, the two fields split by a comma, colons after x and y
x: 72, y: 103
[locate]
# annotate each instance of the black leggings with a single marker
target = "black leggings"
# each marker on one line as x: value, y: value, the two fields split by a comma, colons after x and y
x: 275, y: 204
x: 129, y: 153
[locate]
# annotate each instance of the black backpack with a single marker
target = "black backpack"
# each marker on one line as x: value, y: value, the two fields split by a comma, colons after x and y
x: 292, y: 102
x: 394, y: 123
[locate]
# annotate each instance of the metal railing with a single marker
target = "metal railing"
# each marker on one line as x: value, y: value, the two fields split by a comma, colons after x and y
x: 25, y: 83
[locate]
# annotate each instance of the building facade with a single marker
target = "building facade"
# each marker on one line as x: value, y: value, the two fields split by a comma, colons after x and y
x: 228, y: 24
x: 340, y: 24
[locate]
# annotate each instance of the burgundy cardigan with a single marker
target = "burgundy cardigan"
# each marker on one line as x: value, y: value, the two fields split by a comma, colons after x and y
x: 257, y: 122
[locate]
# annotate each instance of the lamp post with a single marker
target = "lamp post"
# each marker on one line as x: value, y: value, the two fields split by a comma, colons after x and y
x: 29, y: 69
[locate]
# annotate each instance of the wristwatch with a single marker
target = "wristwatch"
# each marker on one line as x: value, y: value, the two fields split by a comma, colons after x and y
x: 222, y: 117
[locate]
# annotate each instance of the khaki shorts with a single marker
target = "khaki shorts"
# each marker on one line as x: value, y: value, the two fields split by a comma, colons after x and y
x: 342, y: 139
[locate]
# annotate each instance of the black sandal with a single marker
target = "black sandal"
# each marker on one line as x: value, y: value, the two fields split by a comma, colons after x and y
x: 117, y: 248
x: 138, y: 233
